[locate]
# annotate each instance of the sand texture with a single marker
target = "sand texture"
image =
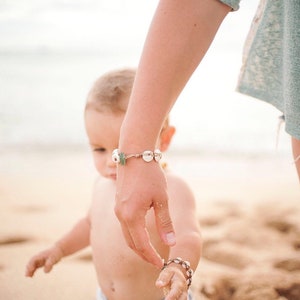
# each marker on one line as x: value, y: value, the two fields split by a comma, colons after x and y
x: 249, y: 211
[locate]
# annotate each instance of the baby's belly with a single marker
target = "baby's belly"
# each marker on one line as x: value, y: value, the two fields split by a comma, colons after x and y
x: 125, y: 276
x: 133, y: 289
x: 122, y: 274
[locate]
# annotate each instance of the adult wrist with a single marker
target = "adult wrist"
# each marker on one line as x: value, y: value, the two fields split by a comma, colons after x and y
x: 120, y: 157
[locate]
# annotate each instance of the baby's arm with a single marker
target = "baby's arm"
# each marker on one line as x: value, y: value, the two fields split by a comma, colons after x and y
x: 173, y: 278
x: 76, y: 239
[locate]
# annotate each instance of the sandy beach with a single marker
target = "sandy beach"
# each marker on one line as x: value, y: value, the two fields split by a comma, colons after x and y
x: 248, y: 203
x: 249, y: 211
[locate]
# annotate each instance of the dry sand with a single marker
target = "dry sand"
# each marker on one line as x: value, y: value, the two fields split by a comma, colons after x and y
x: 249, y: 210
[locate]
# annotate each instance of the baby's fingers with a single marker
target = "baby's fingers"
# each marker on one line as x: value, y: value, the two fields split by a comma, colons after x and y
x: 164, y: 278
x: 173, y: 283
x: 50, y: 262
x: 33, y: 265
x: 176, y: 292
x: 29, y: 272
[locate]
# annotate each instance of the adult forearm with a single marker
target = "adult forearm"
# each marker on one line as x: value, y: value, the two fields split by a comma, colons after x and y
x: 178, y: 38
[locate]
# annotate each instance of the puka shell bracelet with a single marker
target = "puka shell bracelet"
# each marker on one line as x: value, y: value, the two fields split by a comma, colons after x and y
x: 148, y: 155
x: 185, y: 264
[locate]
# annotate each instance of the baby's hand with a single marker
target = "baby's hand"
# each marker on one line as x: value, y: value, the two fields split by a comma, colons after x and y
x: 47, y: 259
x: 173, y: 283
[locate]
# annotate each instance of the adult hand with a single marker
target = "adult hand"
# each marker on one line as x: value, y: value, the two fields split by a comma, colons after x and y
x: 140, y: 187
x: 165, y: 66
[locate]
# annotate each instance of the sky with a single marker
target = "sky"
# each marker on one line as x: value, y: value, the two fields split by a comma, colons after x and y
x: 111, y: 33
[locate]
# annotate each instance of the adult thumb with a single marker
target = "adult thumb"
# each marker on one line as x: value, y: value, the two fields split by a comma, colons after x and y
x: 164, y: 223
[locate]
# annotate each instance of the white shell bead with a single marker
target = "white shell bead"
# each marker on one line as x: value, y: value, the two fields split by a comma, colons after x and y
x: 115, y: 156
x: 147, y: 156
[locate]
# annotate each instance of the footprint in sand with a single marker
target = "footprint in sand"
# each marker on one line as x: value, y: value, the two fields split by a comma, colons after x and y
x: 291, y: 293
x: 224, y: 253
x: 221, y: 213
x: 289, y: 230
x: 85, y: 257
x: 260, y: 285
x: 289, y: 264
x: 31, y: 208
x: 281, y: 226
x: 4, y: 241
x: 11, y: 240
x: 296, y: 243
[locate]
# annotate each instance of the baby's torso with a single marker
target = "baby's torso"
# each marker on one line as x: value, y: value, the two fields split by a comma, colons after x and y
x: 121, y: 273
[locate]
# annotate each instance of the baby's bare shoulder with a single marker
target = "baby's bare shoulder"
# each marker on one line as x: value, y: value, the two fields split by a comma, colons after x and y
x: 175, y: 180
x: 178, y: 188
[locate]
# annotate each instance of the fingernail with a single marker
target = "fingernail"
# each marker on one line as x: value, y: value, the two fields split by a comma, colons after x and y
x: 171, y: 239
x: 159, y: 283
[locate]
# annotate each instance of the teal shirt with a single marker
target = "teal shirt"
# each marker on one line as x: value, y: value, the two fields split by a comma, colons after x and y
x: 271, y: 60
x: 234, y: 4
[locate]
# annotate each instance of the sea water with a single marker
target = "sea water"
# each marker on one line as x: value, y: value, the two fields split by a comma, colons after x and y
x: 51, y: 52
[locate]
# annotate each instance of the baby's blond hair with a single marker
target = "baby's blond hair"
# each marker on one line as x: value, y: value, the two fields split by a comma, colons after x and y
x: 111, y: 91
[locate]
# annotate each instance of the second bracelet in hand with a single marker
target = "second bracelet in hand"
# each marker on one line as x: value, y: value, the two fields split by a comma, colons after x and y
x: 184, y: 264
x: 148, y: 155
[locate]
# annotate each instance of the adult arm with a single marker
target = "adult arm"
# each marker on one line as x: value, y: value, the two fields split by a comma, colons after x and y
x: 179, y: 36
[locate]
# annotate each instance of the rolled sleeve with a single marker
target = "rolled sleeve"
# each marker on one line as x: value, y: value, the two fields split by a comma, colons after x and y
x: 234, y: 4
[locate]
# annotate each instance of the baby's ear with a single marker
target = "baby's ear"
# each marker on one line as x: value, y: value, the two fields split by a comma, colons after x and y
x: 166, y: 138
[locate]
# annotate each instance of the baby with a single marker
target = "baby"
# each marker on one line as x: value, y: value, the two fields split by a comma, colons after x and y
x: 123, y: 275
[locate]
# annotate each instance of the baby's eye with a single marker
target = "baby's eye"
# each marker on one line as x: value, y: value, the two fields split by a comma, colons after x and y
x: 99, y: 150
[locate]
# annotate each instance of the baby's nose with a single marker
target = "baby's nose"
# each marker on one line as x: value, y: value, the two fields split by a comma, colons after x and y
x: 111, y: 163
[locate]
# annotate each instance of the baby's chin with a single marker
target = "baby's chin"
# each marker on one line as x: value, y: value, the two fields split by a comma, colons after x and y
x: 112, y: 177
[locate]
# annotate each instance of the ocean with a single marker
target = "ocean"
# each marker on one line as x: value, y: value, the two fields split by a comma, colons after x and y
x: 52, y: 51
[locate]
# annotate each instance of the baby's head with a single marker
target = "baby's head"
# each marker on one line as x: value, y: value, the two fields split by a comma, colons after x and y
x: 105, y: 109
x: 111, y: 92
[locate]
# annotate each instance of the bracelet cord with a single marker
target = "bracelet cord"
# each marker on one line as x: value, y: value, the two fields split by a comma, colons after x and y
x: 184, y: 264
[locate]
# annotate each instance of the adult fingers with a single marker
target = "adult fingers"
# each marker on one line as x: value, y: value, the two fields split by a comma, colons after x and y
x: 164, y: 222
x: 142, y: 245
x: 121, y: 211
x: 131, y: 244
x: 127, y: 235
x: 132, y: 220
